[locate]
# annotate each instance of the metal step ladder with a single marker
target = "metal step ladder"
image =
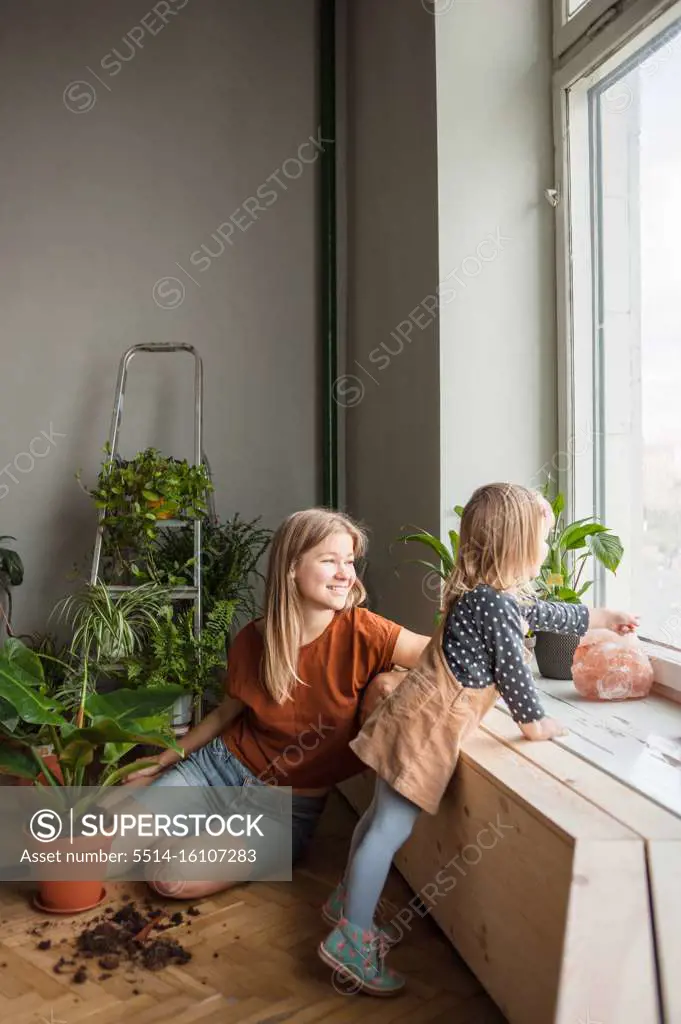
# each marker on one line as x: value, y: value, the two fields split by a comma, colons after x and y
x: 190, y: 593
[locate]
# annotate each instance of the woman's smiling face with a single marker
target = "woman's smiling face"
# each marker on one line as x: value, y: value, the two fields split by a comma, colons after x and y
x: 325, y: 573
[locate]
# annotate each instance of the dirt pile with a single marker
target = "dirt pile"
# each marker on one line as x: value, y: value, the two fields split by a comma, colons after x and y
x: 108, y: 945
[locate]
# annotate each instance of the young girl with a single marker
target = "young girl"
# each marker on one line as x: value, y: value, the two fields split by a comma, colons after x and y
x: 297, y: 681
x: 412, y: 739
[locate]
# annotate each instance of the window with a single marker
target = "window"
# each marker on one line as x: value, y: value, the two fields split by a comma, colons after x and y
x: 621, y: 225
x: 572, y: 18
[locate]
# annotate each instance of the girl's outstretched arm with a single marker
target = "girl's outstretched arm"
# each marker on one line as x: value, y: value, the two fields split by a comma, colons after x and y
x: 503, y: 627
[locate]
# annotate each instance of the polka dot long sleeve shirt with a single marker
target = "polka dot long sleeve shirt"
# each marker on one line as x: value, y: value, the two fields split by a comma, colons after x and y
x: 483, y: 642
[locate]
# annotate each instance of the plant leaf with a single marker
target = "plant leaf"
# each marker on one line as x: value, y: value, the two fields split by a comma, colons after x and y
x: 77, y: 754
x: 107, y: 730
x: 607, y: 548
x: 427, y: 565
x: 11, y: 565
x: 574, y: 536
x: 436, y: 545
x: 122, y: 705
x: 14, y: 761
x: 22, y: 683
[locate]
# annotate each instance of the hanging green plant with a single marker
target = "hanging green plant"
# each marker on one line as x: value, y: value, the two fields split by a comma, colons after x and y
x: 138, y: 494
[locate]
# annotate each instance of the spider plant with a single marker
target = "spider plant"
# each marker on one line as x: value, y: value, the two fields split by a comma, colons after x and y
x: 107, y: 628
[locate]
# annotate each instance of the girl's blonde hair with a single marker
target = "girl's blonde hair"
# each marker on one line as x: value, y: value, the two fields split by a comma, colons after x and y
x: 501, y: 529
x: 283, y: 619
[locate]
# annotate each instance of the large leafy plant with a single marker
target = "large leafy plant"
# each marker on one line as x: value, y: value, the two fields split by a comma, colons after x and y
x: 570, y: 547
x: 88, y: 748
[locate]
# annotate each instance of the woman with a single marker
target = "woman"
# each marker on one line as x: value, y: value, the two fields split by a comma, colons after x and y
x: 299, y: 681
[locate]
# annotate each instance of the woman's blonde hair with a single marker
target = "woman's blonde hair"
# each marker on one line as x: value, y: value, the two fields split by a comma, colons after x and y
x: 283, y: 619
x: 501, y: 529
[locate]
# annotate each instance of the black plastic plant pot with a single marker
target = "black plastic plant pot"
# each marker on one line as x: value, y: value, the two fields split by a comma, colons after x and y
x: 554, y: 653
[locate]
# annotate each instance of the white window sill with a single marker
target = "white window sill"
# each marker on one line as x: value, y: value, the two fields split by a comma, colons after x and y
x: 666, y: 669
x: 637, y: 742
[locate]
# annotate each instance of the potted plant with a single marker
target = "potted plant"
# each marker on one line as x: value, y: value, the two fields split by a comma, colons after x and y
x: 446, y: 558
x: 175, y: 655
x: 107, y: 629
x: 438, y: 570
x: 136, y: 494
x: 231, y: 551
x: 88, y: 741
x: 11, y: 575
x: 560, y: 579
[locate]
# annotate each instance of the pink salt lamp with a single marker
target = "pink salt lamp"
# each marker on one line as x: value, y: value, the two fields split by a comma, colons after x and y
x: 608, y: 666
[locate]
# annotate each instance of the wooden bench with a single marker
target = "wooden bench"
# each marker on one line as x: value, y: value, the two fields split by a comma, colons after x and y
x: 558, y: 885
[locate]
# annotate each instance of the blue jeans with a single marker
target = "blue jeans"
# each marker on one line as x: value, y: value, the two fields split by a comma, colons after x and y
x: 215, y: 765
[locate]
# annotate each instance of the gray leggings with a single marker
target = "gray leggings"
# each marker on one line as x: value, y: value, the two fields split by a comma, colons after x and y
x: 383, y: 828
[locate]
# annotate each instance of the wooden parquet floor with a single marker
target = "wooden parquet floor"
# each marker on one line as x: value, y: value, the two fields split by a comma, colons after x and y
x: 254, y: 959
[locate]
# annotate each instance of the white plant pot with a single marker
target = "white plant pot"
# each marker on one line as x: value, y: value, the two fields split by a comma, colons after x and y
x: 182, y: 711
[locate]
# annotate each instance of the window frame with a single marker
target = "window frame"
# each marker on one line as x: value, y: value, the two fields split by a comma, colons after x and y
x: 569, y: 30
x: 589, y: 65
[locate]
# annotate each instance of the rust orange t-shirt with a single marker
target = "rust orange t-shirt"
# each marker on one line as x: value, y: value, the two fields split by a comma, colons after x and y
x: 303, y: 742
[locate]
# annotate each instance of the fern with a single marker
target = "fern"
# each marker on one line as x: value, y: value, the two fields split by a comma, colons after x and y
x: 175, y: 655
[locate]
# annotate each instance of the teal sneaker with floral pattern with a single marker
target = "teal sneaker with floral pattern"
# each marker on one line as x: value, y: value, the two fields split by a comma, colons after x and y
x: 332, y: 912
x: 357, y: 958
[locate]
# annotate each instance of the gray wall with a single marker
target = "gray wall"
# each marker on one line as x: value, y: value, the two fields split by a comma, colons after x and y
x: 99, y: 203
x: 391, y: 392
x: 498, y: 331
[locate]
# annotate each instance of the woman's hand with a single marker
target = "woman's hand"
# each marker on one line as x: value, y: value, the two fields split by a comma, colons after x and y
x: 544, y: 729
x: 618, y: 622
x: 378, y: 689
x: 145, y: 776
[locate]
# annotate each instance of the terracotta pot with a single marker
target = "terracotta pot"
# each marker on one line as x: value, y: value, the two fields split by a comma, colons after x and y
x: 162, y: 508
x: 52, y: 762
x: 68, y: 896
